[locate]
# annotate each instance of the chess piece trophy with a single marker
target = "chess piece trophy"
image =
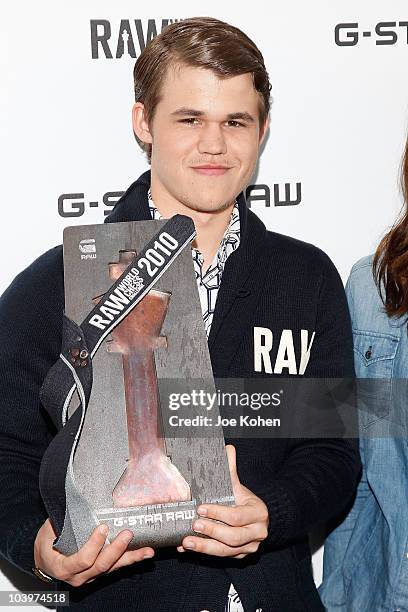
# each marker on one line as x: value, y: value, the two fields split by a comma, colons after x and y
x: 149, y: 477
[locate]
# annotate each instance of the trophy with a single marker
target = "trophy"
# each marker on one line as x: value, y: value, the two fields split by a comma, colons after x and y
x: 116, y: 458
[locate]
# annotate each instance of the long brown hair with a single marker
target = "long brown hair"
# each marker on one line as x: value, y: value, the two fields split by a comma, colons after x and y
x: 390, y: 264
x: 201, y: 42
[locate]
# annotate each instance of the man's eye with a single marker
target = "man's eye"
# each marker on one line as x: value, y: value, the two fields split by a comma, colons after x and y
x: 190, y: 121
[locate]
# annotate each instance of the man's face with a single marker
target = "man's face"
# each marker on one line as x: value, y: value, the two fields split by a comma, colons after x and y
x: 200, y: 120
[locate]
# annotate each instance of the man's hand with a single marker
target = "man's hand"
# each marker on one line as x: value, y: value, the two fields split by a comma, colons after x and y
x: 243, y: 526
x: 91, y: 560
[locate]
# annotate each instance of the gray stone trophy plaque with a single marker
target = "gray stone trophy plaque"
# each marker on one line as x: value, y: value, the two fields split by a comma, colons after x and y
x: 131, y: 472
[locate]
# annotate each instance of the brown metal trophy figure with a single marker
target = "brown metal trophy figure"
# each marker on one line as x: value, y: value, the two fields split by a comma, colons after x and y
x: 150, y: 477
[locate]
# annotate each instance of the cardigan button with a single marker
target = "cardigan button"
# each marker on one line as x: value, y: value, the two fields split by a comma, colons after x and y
x: 242, y: 293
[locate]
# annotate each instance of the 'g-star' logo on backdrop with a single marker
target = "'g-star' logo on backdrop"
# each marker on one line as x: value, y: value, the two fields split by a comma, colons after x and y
x: 284, y: 194
x: 74, y: 204
x: 385, y: 33
x: 128, y: 38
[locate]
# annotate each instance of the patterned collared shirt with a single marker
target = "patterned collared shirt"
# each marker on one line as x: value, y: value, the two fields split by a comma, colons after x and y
x: 208, y: 284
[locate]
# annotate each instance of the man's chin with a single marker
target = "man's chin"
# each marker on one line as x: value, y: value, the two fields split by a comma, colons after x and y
x: 210, y: 203
x: 210, y: 207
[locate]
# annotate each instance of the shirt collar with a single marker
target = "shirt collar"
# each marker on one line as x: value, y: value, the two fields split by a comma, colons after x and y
x: 231, y: 234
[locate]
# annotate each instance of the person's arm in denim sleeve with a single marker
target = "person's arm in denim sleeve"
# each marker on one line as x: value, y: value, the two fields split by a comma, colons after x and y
x: 335, y: 546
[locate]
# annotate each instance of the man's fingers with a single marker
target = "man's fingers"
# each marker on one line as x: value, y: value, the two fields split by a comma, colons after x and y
x: 236, y: 516
x: 92, y: 560
x: 232, y: 536
x: 108, y: 556
x: 218, y: 549
x: 112, y: 557
x: 232, y: 462
x: 87, y: 554
x: 129, y: 557
x: 133, y: 556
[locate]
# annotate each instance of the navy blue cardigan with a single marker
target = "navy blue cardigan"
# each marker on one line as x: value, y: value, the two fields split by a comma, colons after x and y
x: 271, y: 281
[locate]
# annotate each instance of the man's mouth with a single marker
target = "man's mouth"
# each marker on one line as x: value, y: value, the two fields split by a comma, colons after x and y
x: 211, y: 169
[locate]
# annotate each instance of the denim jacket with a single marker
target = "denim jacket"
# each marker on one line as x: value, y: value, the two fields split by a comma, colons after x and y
x: 365, y: 567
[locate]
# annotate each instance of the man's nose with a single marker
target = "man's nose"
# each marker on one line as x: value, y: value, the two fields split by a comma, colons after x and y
x: 212, y: 140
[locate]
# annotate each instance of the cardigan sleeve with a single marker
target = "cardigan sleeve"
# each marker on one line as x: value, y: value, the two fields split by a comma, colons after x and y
x: 319, y: 476
x: 30, y: 337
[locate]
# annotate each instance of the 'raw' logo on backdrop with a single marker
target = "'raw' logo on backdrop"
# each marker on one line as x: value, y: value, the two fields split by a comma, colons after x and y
x: 285, y: 194
x: 126, y: 39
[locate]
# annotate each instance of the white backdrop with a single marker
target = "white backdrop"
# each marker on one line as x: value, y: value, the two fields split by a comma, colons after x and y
x: 338, y: 121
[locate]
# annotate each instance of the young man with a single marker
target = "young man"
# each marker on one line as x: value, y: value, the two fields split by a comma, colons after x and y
x: 201, y: 114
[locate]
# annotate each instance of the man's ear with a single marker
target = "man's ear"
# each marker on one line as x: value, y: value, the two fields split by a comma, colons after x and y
x: 263, y: 130
x: 140, y: 124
